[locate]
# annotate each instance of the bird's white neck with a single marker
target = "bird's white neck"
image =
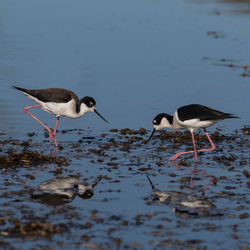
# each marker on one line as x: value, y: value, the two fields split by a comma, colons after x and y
x: 166, y: 124
x: 67, y: 109
x: 82, y: 110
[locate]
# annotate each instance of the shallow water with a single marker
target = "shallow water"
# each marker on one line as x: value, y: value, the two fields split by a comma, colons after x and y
x: 122, y: 212
x: 136, y: 59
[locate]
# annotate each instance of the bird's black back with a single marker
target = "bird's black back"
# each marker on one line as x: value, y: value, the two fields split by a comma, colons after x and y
x: 50, y: 95
x: 197, y: 111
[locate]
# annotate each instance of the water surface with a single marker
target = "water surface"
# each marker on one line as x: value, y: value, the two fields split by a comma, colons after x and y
x: 137, y: 59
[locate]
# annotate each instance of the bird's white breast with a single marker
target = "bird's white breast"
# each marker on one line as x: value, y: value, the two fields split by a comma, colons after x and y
x: 61, y: 109
x: 60, y: 186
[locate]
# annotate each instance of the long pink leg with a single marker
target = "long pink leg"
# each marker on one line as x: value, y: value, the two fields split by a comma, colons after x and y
x: 54, y: 132
x: 27, y: 112
x: 51, y: 155
x: 211, y: 142
x: 195, y: 171
x: 195, y: 151
x: 205, y: 174
x: 186, y: 152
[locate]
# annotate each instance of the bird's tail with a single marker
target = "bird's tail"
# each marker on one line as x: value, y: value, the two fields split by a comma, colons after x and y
x: 21, y: 89
x: 227, y: 116
x: 25, y: 91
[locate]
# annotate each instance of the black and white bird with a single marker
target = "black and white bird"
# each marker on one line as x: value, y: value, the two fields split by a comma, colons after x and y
x: 183, y: 202
x: 64, y: 189
x: 191, y: 117
x: 60, y: 102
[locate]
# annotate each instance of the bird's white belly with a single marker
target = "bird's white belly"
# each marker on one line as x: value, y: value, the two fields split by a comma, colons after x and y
x: 61, y: 109
x: 197, y: 123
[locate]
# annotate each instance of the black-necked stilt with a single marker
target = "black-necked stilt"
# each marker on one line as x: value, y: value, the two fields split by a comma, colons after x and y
x: 190, y: 117
x: 180, y: 201
x: 64, y: 189
x: 60, y: 102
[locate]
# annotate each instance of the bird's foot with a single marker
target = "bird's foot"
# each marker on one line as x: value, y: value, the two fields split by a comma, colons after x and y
x: 174, y: 157
x: 182, y: 153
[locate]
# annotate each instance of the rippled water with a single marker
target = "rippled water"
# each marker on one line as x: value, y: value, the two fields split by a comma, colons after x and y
x: 137, y: 59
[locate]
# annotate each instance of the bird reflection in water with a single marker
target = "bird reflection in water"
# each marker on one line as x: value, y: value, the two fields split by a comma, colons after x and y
x: 51, y: 157
x: 194, y: 173
x: 62, y: 190
x: 184, y: 203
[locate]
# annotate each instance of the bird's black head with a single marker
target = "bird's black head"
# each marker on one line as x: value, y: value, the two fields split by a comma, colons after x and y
x: 90, y: 104
x: 87, y: 194
x: 159, y: 123
x: 157, y: 120
x: 88, y: 101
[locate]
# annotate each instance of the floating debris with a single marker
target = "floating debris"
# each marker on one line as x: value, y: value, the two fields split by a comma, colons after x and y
x: 14, y: 158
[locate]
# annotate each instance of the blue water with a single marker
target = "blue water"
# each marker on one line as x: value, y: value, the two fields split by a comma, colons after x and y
x: 137, y: 59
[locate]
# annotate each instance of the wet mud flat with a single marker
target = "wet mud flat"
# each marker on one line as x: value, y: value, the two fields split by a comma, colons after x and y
x: 110, y: 190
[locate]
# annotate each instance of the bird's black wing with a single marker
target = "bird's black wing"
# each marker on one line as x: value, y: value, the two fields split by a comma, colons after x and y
x: 197, y: 111
x: 49, y: 95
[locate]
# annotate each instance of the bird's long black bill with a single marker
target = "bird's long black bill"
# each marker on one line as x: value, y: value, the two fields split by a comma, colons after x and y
x: 100, y: 116
x: 97, y: 180
x: 152, y: 185
x: 151, y: 135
